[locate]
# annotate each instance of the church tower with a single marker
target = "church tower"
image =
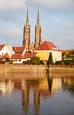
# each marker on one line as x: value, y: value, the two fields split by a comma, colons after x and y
x: 37, y: 31
x: 26, y: 33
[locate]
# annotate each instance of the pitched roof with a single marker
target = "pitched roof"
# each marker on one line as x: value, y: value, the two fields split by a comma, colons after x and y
x: 1, y: 46
x: 26, y: 55
x: 29, y: 55
x: 18, y: 49
x: 66, y: 51
x: 17, y: 56
x: 46, y: 45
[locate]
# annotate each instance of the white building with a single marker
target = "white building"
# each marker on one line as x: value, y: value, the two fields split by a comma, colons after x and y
x: 6, y: 49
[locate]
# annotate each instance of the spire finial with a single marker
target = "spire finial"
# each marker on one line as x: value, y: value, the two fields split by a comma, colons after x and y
x: 38, y: 18
x: 27, y: 17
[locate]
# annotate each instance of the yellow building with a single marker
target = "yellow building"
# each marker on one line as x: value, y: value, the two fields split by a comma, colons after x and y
x: 44, y: 50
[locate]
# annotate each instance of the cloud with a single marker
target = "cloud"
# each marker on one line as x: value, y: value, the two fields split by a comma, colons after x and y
x: 11, y: 35
x: 57, y: 4
x: 11, y: 4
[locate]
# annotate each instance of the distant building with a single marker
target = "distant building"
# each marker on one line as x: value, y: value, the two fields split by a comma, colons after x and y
x: 26, y: 51
x: 6, y: 49
x: 26, y: 34
x: 19, y: 58
x: 19, y: 50
x: 37, y: 32
x: 44, y: 50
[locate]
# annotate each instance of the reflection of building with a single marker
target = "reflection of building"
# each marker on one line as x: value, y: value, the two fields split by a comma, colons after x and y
x: 6, y: 86
x: 42, y: 88
x: 36, y: 99
x: 68, y: 82
x: 56, y: 84
x: 25, y: 94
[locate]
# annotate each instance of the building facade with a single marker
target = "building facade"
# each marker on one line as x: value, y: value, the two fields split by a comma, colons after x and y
x: 44, y: 50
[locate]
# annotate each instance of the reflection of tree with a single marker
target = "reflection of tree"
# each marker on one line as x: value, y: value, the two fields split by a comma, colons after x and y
x: 68, y: 84
x: 49, y: 83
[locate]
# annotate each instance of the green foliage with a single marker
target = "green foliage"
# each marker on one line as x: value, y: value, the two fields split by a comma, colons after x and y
x: 68, y: 58
x: 50, y: 60
x: 35, y: 61
x: 59, y: 62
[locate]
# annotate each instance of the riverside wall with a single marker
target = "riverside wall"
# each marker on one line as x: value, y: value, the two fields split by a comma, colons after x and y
x: 22, y: 68
x: 61, y: 71
x: 53, y: 70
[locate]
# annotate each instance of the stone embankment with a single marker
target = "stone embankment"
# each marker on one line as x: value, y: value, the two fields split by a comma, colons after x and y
x: 22, y: 68
x: 53, y: 70
x: 62, y: 71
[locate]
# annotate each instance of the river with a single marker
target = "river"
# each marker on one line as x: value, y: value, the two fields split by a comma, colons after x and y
x: 36, y: 95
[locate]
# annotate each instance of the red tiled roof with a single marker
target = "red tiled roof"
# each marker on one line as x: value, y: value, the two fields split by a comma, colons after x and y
x: 17, y: 56
x: 18, y: 49
x: 1, y: 46
x: 66, y: 51
x: 46, y: 45
x: 29, y: 55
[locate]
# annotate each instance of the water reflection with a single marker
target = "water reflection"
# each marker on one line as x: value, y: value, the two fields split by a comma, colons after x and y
x: 33, y: 91
x: 6, y: 86
x: 68, y: 84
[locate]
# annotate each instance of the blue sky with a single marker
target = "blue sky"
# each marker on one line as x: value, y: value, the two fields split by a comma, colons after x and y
x: 56, y: 19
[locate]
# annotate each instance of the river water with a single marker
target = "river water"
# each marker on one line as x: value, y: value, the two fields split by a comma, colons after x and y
x: 36, y: 96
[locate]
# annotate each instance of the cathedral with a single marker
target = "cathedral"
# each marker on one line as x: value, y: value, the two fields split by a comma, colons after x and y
x: 42, y: 50
x: 26, y: 33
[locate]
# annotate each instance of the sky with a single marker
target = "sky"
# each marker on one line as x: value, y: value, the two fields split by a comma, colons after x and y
x: 56, y: 20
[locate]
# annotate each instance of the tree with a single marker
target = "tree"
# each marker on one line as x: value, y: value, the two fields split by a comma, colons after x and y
x: 35, y: 60
x: 50, y: 60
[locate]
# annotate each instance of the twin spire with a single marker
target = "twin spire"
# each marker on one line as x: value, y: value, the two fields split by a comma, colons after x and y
x: 38, y: 17
x: 27, y: 17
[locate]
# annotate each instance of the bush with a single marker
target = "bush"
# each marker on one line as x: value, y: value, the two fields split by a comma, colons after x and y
x: 35, y: 60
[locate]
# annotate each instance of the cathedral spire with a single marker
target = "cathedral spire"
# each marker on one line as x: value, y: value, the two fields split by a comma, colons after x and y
x: 38, y: 17
x: 27, y: 17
